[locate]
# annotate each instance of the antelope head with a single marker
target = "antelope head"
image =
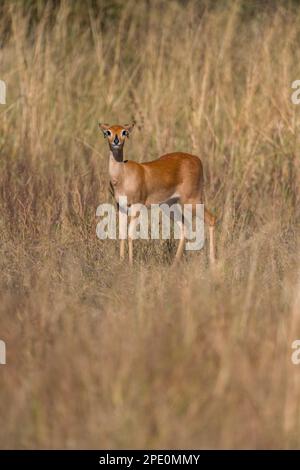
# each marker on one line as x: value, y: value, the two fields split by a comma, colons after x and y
x: 116, y: 135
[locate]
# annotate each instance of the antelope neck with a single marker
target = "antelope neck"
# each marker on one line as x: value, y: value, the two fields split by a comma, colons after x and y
x: 116, y: 166
x: 117, y: 154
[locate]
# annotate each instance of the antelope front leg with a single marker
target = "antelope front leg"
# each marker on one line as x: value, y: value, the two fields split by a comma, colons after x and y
x: 122, y: 230
x: 122, y: 249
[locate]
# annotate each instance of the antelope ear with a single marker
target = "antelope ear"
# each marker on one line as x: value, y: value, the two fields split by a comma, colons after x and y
x: 129, y: 127
x: 104, y: 128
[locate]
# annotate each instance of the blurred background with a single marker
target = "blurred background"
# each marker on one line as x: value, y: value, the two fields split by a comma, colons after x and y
x: 103, y: 356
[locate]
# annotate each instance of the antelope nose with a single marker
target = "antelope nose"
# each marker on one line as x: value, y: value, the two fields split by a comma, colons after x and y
x: 116, y: 140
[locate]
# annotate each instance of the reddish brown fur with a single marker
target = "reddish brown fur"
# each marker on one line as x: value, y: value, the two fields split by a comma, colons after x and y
x: 174, y: 175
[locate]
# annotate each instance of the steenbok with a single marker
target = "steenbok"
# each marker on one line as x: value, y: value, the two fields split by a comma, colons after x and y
x: 172, y: 177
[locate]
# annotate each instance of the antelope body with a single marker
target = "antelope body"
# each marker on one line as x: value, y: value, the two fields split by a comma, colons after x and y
x: 174, y: 176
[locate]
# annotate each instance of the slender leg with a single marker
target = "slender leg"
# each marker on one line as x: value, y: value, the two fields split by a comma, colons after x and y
x: 130, y: 251
x: 122, y: 249
x: 122, y: 229
x: 211, y: 221
x: 181, y: 244
x: 132, y: 224
x: 212, y: 257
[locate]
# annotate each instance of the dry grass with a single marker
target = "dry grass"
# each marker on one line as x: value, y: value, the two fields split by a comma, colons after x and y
x: 101, y: 355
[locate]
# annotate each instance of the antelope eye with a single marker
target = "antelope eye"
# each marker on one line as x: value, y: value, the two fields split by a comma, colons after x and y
x: 125, y: 133
x: 108, y: 133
